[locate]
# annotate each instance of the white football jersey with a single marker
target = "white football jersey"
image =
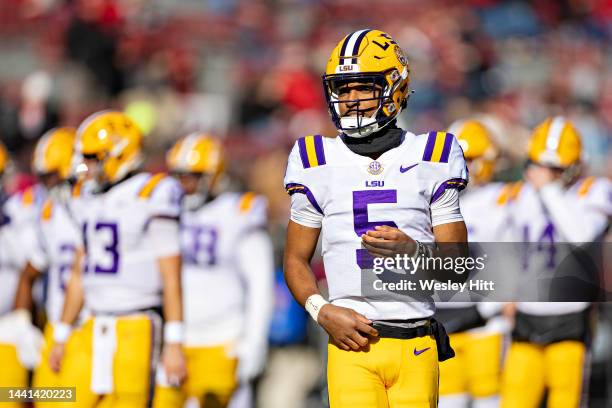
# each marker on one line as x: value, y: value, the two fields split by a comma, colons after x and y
x: 25, y: 206
x: 485, y: 214
x: 58, y: 238
x: 213, y: 282
x: 485, y: 211
x: 12, y: 261
x: 16, y: 237
x: 542, y: 222
x: 121, y: 274
x: 346, y: 194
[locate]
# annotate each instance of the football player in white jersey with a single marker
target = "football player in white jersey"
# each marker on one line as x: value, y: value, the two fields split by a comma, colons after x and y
x: 373, y: 191
x: 549, y: 350
x: 13, y: 372
x: 475, y: 371
x: 57, y: 236
x: 227, y: 278
x: 130, y: 269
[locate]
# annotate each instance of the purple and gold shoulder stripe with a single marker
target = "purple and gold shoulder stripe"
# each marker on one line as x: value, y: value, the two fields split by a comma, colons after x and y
x: 311, y: 151
x: 293, y: 188
x: 438, y: 147
x: 455, y: 183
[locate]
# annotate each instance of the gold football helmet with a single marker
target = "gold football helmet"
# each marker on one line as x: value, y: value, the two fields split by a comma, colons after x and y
x: 4, y: 159
x: 373, y: 58
x: 201, y: 155
x: 478, y: 148
x: 113, y: 139
x: 53, y: 153
x: 555, y: 143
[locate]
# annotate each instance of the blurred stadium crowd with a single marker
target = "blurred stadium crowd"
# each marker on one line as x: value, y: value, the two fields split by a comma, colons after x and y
x: 249, y: 72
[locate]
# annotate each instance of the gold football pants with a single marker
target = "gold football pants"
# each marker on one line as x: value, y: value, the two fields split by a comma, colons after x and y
x: 532, y: 368
x: 211, y: 378
x: 476, y: 366
x: 393, y: 373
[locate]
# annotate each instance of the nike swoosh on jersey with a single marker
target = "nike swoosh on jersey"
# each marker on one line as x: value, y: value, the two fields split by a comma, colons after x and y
x: 405, y: 169
x: 418, y: 352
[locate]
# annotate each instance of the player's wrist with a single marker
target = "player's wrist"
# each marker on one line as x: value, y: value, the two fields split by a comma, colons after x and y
x: 61, y: 332
x: 174, y: 332
x: 313, y: 305
x: 415, y: 251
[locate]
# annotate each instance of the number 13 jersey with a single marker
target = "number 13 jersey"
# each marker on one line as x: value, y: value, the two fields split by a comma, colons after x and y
x: 346, y: 195
x: 121, y: 274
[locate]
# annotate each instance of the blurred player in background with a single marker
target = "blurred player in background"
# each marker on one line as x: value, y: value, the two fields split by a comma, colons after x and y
x: 549, y: 351
x: 57, y: 236
x: 375, y: 190
x: 474, y: 373
x: 227, y: 278
x: 131, y: 268
x: 13, y: 372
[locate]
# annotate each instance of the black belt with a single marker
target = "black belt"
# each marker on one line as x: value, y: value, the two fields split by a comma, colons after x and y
x: 431, y: 327
x: 156, y: 309
x: 398, y: 332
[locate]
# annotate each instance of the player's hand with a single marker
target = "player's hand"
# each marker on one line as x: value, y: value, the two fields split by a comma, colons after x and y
x: 173, y: 360
x: 539, y: 176
x: 347, y: 328
x: 509, y: 311
x: 385, y: 241
x: 56, y: 355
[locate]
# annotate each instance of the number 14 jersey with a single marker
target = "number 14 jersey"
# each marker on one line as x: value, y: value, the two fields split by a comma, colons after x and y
x: 346, y: 195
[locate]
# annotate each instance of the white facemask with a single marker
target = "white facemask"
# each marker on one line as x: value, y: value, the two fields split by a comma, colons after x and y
x: 350, y: 125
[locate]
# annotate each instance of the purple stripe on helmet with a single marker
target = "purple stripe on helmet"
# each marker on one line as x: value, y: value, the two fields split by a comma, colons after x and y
x: 429, y: 147
x: 448, y: 141
x: 293, y: 188
x: 343, y: 49
x: 358, y: 44
x: 318, y: 144
x: 303, y: 154
x: 456, y: 183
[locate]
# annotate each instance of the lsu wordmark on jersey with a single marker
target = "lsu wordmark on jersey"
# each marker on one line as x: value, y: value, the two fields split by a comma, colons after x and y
x: 549, y: 351
x: 347, y: 194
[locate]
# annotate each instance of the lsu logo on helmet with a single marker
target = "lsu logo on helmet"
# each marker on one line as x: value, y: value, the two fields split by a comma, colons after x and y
x: 370, y: 57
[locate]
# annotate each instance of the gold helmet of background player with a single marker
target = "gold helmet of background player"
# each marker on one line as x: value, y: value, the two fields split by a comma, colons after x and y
x: 373, y: 58
x: 555, y: 143
x: 53, y: 153
x: 114, y: 139
x: 4, y: 158
x: 197, y: 153
x: 478, y: 148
